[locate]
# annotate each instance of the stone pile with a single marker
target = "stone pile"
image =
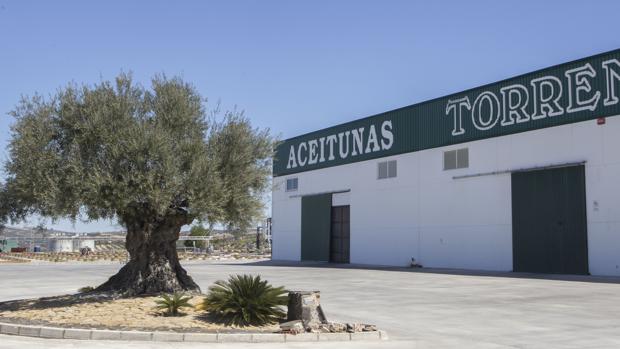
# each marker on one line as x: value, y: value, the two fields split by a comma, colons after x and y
x: 305, y: 314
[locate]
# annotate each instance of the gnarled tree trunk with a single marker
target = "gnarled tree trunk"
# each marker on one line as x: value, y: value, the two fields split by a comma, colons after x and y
x: 154, y: 265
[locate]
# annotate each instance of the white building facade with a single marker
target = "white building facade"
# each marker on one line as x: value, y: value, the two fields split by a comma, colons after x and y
x: 520, y: 175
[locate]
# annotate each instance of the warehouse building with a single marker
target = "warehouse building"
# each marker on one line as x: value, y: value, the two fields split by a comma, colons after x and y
x: 519, y: 175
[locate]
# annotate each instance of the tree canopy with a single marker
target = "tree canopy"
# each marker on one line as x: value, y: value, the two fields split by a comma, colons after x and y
x: 119, y: 150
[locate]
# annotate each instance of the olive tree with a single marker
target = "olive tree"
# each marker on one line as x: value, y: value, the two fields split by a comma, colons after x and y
x: 151, y: 158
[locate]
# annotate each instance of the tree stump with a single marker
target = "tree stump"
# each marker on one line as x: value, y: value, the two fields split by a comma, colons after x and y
x: 306, y: 306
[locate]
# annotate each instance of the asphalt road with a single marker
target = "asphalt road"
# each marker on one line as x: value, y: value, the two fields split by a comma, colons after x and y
x: 428, y: 309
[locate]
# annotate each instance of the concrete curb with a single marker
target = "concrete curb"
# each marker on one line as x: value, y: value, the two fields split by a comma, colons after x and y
x: 156, y: 336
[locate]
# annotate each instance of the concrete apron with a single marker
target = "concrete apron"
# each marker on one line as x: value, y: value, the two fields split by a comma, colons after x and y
x: 75, y: 333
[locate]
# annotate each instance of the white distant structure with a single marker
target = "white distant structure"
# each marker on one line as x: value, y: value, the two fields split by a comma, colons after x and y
x: 70, y: 243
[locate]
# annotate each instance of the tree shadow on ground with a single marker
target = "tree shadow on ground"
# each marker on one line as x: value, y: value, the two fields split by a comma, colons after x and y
x: 55, y: 301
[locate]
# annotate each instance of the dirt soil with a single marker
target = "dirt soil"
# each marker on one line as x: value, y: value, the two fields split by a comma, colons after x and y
x: 104, y: 312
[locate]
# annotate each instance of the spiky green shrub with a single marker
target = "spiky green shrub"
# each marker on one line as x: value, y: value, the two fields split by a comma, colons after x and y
x: 172, y: 303
x: 245, y: 300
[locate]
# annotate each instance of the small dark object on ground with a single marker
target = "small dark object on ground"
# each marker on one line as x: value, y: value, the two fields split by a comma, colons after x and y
x: 85, y: 251
x: 415, y: 264
x: 86, y: 289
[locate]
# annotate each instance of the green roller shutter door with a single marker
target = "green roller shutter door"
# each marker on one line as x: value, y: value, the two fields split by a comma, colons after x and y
x: 315, y: 227
x: 549, y: 221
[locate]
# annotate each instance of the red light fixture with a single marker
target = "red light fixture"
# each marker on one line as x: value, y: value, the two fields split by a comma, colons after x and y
x: 600, y: 121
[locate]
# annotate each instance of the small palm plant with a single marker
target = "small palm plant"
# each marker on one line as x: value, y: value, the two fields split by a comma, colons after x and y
x: 244, y: 300
x: 172, y: 303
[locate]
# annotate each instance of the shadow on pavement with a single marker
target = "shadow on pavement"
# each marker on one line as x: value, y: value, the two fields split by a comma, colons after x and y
x: 53, y: 302
x: 440, y: 271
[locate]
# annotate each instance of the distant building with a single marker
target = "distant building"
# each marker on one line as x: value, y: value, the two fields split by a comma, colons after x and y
x: 70, y: 244
x: 7, y: 244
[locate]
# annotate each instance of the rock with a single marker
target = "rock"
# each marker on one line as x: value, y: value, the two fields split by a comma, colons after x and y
x: 306, y: 306
x: 368, y: 328
x: 295, y: 326
x: 337, y: 327
x: 354, y: 327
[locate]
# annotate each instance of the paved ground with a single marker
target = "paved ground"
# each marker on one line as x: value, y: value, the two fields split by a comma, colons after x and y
x: 418, y: 309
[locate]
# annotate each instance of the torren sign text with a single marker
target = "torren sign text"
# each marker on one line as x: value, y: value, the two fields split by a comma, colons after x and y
x: 540, y: 99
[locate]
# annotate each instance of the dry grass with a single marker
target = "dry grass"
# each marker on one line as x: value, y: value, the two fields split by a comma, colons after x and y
x: 106, y: 313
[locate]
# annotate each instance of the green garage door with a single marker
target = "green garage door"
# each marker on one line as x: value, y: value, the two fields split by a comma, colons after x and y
x: 549, y: 228
x: 315, y: 227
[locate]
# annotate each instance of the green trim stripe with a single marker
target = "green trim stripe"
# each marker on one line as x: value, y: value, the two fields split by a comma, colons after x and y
x: 576, y: 91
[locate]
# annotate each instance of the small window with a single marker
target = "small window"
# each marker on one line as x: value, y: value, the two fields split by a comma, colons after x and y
x: 292, y: 184
x: 383, y: 168
x: 454, y: 159
x: 449, y: 160
x: 386, y: 169
x: 462, y: 158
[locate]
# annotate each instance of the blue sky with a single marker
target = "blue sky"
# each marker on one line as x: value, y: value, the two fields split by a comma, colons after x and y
x: 293, y: 66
